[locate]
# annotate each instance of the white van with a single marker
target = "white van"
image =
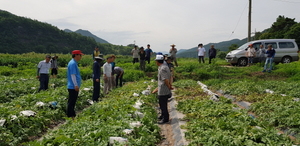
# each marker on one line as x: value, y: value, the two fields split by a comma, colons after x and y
x: 286, y: 51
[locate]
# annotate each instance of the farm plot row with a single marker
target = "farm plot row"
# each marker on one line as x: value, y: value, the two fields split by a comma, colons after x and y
x: 125, y: 114
x: 15, y: 87
x: 222, y: 123
x: 274, y: 101
x: 27, y: 116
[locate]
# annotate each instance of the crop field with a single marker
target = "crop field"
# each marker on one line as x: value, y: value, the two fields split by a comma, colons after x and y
x: 272, y: 118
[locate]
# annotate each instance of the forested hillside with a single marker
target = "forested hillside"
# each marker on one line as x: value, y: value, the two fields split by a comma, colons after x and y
x: 22, y: 35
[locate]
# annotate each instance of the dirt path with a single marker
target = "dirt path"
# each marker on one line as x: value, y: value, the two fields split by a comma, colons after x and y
x: 172, y: 134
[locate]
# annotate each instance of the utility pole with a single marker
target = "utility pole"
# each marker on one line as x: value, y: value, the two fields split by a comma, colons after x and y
x: 249, y: 21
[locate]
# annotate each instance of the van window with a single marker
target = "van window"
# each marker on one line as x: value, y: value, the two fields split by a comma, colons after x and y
x: 283, y: 45
x: 256, y: 46
x: 274, y: 45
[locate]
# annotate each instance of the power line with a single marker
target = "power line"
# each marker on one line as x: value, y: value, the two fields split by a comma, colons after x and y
x: 238, y: 21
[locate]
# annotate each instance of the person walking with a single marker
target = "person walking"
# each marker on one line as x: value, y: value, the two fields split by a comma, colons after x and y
x: 212, y: 52
x: 119, y: 78
x: 269, y: 60
x: 96, y: 52
x: 250, y: 54
x: 135, y: 54
x: 142, y: 55
x: 164, y: 88
x: 107, y: 71
x: 173, y: 52
x: 43, y: 73
x: 96, y: 78
x: 54, y: 66
x: 74, y: 82
x: 201, y: 53
x: 262, y: 53
x: 149, y: 52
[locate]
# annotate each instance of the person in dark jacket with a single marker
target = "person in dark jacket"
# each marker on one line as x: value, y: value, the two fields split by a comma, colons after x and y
x: 212, y: 52
x: 96, y: 78
x: 270, y: 57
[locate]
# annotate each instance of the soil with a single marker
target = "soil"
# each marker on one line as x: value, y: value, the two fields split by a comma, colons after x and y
x: 167, y: 134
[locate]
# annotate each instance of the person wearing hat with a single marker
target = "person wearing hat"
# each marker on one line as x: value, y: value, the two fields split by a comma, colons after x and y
x: 135, y: 54
x: 43, y: 72
x: 96, y: 52
x: 250, y: 54
x: 173, y: 52
x: 107, y: 73
x: 164, y: 88
x: 54, y: 66
x: 149, y: 52
x: 96, y: 78
x: 74, y: 82
x: 201, y: 53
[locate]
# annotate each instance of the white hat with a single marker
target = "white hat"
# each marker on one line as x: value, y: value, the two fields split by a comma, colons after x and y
x: 160, y: 57
x: 98, y: 58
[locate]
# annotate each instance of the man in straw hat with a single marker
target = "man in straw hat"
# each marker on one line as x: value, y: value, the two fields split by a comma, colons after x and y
x: 96, y: 78
x: 173, y: 52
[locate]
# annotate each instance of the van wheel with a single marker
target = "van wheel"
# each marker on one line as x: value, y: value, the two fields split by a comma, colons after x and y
x: 286, y: 59
x: 242, y: 62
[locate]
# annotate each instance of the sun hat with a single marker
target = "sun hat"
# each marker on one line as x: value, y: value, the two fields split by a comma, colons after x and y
x: 159, y: 57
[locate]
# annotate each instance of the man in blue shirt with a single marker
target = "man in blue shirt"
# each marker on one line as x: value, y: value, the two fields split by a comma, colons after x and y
x: 74, y: 82
x: 149, y: 52
x: 270, y: 57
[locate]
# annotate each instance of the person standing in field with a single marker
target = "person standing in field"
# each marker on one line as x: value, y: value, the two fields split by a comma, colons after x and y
x: 135, y: 54
x: 119, y: 78
x: 201, y: 53
x: 149, y: 52
x: 269, y: 60
x: 107, y: 71
x: 96, y: 78
x: 96, y: 52
x: 43, y: 73
x: 164, y: 88
x: 142, y: 54
x: 262, y: 53
x: 212, y: 52
x: 54, y: 66
x: 250, y: 54
x: 173, y: 52
x: 74, y: 82
x: 171, y: 67
x: 113, y: 64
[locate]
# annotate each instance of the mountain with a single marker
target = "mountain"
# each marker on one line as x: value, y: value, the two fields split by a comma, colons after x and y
x: 22, y: 35
x: 89, y: 34
x: 221, y: 46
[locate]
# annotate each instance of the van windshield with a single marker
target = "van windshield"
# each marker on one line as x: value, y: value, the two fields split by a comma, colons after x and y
x: 243, y: 47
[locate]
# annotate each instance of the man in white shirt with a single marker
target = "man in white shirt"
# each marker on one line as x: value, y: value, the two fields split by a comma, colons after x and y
x: 250, y: 54
x: 135, y: 54
x: 107, y: 70
x: 43, y: 72
x: 201, y: 53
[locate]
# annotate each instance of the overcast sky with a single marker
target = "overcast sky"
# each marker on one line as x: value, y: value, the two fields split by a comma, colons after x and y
x: 185, y: 23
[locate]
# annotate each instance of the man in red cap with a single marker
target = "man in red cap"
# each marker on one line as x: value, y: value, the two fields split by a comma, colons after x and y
x: 74, y: 82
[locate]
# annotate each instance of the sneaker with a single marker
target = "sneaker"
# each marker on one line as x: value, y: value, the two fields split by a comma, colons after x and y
x: 269, y: 71
x: 264, y: 71
x: 163, y: 122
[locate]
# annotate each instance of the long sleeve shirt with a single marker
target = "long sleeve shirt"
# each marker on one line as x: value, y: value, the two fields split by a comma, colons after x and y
x: 107, y: 69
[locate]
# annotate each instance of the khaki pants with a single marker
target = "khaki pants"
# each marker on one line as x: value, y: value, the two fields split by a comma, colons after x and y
x: 113, y: 81
x: 107, y: 85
